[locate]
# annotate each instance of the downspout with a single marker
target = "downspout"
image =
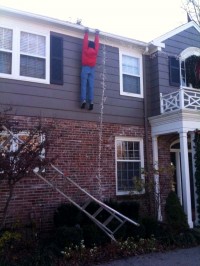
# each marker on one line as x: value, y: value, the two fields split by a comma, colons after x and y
x: 145, y: 109
x: 147, y: 155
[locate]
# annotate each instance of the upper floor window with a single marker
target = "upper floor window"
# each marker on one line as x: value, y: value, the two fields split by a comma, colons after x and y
x: 129, y: 161
x: 185, y: 70
x: 131, y: 75
x: 6, y: 50
x: 32, y: 55
x: 26, y: 55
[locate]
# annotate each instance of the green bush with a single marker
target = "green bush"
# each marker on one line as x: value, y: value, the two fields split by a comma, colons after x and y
x: 66, y: 236
x: 151, y: 226
x: 66, y: 215
x: 175, y: 216
x: 92, y: 234
x: 129, y: 209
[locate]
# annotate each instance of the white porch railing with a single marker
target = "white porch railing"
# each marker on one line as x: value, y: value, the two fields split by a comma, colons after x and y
x: 184, y: 98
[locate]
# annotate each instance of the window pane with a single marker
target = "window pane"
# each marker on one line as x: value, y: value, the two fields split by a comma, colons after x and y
x: 136, y: 154
x: 128, y: 150
x: 32, y: 67
x: 126, y: 174
x: 131, y: 84
x: 5, y: 39
x: 130, y: 65
x: 32, y: 44
x: 119, y: 150
x: 174, y: 73
x: 5, y: 62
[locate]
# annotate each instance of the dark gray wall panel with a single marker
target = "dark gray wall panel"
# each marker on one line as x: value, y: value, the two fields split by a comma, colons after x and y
x: 63, y: 101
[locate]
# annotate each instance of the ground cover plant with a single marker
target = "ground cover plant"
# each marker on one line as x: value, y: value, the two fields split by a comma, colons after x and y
x: 75, y: 240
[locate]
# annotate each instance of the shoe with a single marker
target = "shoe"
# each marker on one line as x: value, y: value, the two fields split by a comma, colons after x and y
x: 83, y: 104
x: 90, y: 106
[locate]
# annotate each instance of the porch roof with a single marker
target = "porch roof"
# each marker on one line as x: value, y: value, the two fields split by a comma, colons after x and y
x: 183, y: 120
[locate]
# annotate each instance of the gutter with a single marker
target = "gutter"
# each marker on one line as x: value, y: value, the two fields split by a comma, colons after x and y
x: 67, y: 24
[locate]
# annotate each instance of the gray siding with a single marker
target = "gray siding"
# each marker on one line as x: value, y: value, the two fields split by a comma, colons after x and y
x: 160, y: 65
x: 29, y: 98
x: 152, y: 84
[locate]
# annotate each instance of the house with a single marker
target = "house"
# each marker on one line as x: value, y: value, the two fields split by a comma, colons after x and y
x: 146, y: 109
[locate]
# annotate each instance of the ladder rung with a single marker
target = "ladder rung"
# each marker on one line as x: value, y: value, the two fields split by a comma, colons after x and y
x: 97, y: 212
x: 86, y: 204
x: 120, y: 225
x: 114, y: 216
x: 108, y: 220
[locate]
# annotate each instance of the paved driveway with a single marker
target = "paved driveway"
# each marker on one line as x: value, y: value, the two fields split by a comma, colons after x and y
x: 180, y: 257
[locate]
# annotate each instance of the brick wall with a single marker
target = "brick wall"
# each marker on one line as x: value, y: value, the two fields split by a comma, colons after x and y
x: 78, y: 150
x: 166, y: 172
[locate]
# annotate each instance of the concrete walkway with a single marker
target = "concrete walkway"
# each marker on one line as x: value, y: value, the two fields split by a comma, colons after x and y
x: 180, y: 257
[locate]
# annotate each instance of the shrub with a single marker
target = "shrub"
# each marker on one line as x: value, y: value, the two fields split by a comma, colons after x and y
x: 65, y: 236
x: 129, y: 209
x: 175, y: 215
x: 151, y: 226
x: 66, y: 215
x: 93, y: 235
x: 9, y: 240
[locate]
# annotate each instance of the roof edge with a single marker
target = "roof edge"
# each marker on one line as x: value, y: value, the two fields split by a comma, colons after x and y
x: 70, y: 25
x: 159, y: 41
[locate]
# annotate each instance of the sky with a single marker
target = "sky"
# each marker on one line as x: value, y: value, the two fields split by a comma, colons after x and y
x: 142, y: 20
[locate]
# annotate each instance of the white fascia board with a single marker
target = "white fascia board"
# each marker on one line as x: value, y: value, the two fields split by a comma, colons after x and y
x: 159, y: 41
x: 72, y: 26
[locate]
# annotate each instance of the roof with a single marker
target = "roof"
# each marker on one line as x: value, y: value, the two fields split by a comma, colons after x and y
x: 159, y: 42
x: 68, y: 25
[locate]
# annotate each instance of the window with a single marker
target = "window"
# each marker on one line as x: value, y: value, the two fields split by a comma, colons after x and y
x: 5, y: 50
x: 191, y: 70
x: 24, y: 55
x: 129, y: 161
x: 32, y: 55
x: 186, y: 70
x: 131, y: 75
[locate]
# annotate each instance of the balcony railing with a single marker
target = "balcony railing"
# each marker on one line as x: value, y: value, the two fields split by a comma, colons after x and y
x: 182, y: 99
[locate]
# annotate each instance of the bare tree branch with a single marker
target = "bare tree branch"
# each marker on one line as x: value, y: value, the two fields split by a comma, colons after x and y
x: 192, y: 8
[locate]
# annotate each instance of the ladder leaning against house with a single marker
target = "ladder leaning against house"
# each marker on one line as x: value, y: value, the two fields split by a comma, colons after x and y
x: 110, y: 215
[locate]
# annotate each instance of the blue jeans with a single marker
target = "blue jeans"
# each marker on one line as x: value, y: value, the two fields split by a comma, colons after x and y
x: 87, y: 84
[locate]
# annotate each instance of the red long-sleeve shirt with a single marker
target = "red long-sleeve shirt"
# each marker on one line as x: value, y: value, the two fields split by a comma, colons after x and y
x: 89, y: 55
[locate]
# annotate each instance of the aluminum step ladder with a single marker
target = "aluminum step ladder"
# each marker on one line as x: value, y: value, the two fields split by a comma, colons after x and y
x: 105, y: 217
x: 110, y: 215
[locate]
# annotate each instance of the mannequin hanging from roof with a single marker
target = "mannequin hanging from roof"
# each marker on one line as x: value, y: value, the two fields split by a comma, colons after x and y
x: 89, y: 57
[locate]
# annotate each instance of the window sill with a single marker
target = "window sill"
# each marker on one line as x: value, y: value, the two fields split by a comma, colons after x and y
x: 36, y: 80
x: 129, y: 193
x: 131, y: 94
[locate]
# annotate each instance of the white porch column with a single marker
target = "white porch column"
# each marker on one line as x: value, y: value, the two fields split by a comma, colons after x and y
x: 156, y: 176
x: 185, y: 177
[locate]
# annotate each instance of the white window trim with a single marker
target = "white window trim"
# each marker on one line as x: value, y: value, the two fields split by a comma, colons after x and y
x: 16, y: 53
x: 136, y: 55
x: 140, y: 140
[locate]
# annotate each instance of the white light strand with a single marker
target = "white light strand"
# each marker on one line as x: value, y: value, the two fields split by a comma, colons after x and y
x: 103, y: 99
